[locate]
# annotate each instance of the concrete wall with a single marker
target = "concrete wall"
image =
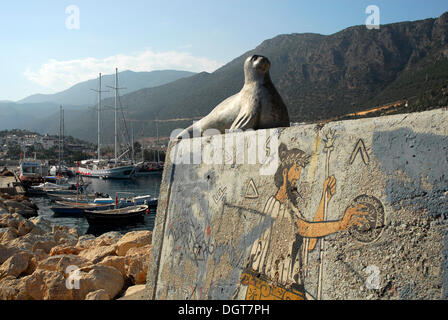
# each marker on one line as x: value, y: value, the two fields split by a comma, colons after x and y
x: 352, y: 210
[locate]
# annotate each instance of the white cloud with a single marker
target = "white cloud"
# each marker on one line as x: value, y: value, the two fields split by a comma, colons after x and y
x: 59, y: 75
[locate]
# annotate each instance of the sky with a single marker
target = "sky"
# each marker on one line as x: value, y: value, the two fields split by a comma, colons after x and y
x: 49, y: 45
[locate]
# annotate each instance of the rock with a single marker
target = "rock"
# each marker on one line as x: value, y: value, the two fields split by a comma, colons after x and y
x: 2, y: 231
x: 42, y: 223
x: 98, y: 295
x: 40, y: 254
x: 15, y: 205
x: 11, y: 220
x: 132, y: 240
x: 32, y: 265
x: 96, y: 254
x: 46, y: 244
x: 15, y: 265
x: 9, y: 235
x: 97, y: 277
x: 64, y: 249
x: 85, y: 241
x: 134, y: 293
x: 47, y: 285
x: 61, y: 262
x: 30, y: 204
x: 63, y: 235
x: 25, y: 227
x: 108, y: 238
x: 12, y: 289
x: 27, y: 212
x: 33, y: 242
x: 136, y: 264
x: 6, y: 253
x: 74, y: 232
x: 115, y: 261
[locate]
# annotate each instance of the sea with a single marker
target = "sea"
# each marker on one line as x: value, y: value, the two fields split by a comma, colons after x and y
x: 139, y: 186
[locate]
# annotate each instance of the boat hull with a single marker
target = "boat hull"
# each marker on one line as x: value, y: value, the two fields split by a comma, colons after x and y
x: 77, y: 208
x: 125, y: 172
x: 119, y: 216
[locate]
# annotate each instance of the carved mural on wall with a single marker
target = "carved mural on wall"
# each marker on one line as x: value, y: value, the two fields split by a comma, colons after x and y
x: 276, y: 271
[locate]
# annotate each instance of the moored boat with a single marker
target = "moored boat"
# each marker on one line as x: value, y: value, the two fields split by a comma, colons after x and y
x: 32, y: 171
x: 67, y: 207
x: 148, y: 168
x: 121, y: 216
x: 106, y: 170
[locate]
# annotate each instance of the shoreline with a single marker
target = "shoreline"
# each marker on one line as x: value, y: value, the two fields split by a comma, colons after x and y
x: 36, y: 258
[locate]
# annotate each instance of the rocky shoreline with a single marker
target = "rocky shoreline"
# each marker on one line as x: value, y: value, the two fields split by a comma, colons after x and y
x: 39, y: 261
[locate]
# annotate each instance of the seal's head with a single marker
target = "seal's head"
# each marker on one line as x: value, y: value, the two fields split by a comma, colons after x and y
x: 256, y: 67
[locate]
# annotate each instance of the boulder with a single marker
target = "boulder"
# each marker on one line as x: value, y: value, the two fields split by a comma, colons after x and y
x: 136, y: 292
x: 32, y: 265
x: 136, y: 264
x: 8, y: 235
x: 15, y: 265
x: 108, y: 238
x: 133, y: 239
x: 11, y: 220
x: 27, y: 212
x: 30, y: 204
x: 33, y: 242
x: 98, y: 295
x: 74, y: 232
x: 96, y: 254
x: 115, y: 261
x: 2, y: 231
x: 61, y: 262
x: 6, y: 253
x: 97, y: 277
x: 25, y: 227
x: 15, y: 205
x: 64, y: 235
x: 12, y: 289
x: 40, y: 254
x: 42, y: 223
x: 45, y: 244
x: 47, y: 285
x: 64, y: 249
x: 86, y: 241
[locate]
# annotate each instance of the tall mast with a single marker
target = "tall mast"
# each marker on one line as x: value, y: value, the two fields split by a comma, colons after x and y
x: 158, y: 146
x: 99, y: 122
x: 116, y: 88
x: 99, y: 116
x: 60, y: 139
x: 63, y: 136
x: 116, y: 99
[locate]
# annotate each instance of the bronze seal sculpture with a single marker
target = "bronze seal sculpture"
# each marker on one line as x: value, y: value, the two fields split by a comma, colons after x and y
x: 257, y: 106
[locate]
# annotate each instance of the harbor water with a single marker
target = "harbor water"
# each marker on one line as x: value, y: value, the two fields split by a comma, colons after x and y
x: 144, y: 185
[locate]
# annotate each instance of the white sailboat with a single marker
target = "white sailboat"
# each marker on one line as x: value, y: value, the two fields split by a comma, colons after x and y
x: 102, y: 168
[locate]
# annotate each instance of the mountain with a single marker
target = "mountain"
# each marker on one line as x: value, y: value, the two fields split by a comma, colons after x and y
x: 320, y: 77
x: 14, y: 115
x: 80, y: 94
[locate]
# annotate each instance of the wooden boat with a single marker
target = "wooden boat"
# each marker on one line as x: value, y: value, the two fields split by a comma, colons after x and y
x: 132, y: 200
x: 67, y: 207
x: 121, y: 216
x: 84, y: 198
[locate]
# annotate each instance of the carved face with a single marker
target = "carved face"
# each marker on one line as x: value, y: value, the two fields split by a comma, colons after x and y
x: 294, y: 174
x: 258, y: 63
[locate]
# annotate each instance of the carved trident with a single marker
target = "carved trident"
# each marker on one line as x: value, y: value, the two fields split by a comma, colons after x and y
x: 329, y: 147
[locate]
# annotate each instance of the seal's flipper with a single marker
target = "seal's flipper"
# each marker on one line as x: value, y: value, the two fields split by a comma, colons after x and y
x: 245, y: 121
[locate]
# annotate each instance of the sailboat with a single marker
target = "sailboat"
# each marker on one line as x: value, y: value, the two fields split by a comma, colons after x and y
x: 104, y: 168
x: 60, y: 170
